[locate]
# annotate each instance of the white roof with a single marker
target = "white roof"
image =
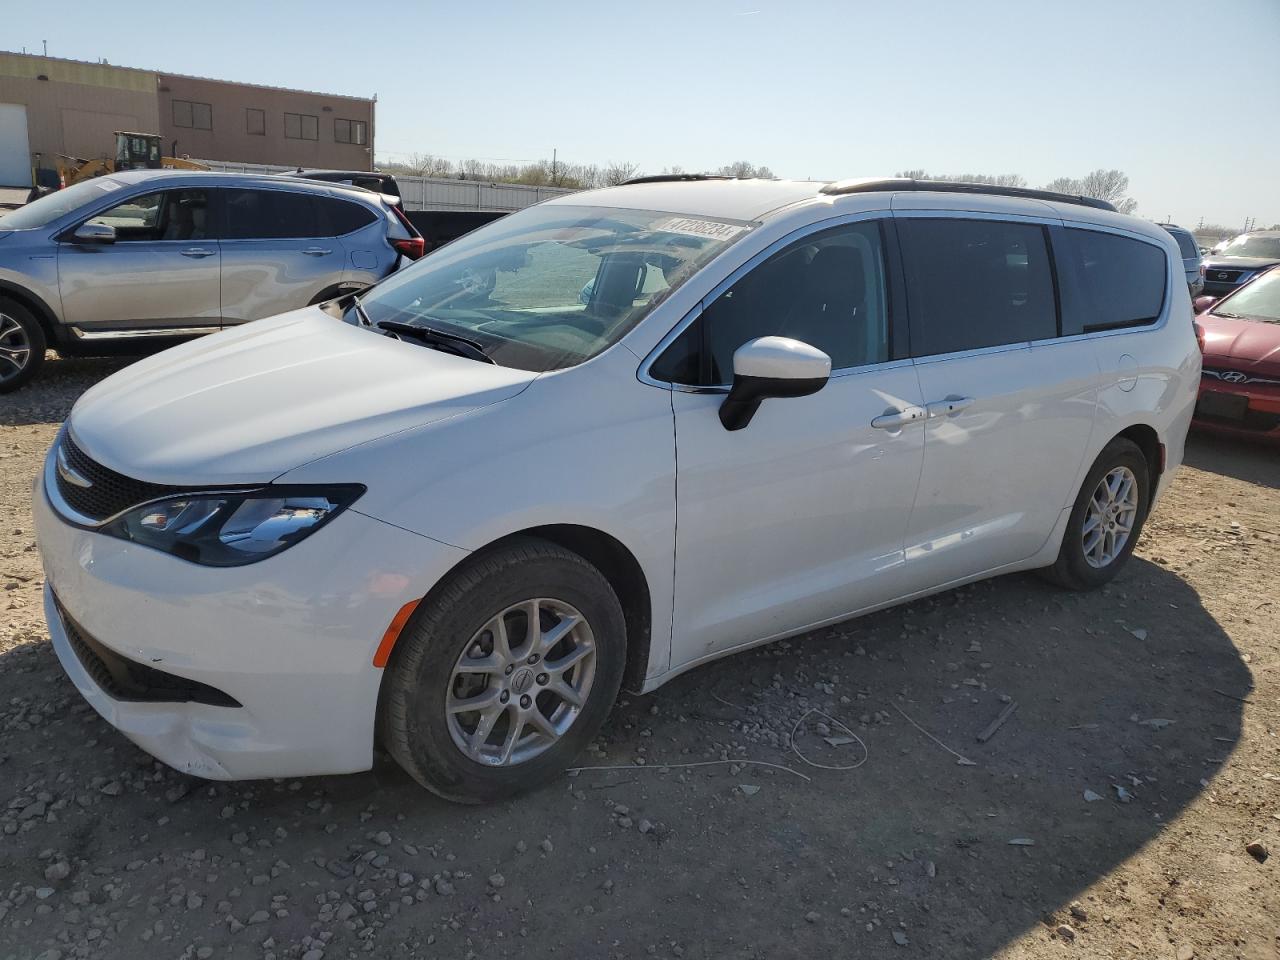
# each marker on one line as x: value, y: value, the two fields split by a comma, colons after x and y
x: 722, y: 199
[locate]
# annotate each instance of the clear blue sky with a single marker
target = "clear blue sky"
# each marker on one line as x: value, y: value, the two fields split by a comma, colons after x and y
x: 809, y: 88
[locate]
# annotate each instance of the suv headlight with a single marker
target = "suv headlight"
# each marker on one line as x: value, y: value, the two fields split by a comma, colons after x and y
x: 232, y: 528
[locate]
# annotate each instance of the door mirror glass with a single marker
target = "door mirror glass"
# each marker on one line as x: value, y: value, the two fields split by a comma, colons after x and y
x: 95, y: 233
x: 771, y: 367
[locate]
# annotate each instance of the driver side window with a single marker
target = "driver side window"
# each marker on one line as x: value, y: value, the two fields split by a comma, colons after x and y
x: 827, y: 290
x: 165, y: 215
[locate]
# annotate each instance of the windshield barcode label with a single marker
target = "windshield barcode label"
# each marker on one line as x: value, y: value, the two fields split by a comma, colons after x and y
x: 692, y: 227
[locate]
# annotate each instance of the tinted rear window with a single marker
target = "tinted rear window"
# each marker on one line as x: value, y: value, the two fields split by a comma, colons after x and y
x: 1115, y: 281
x: 269, y: 214
x: 976, y: 283
x: 340, y: 217
x: 1186, y: 244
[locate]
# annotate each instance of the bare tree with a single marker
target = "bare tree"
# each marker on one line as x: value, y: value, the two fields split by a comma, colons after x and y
x: 993, y: 179
x: 426, y: 165
x: 1101, y: 184
x: 616, y: 173
x: 744, y: 170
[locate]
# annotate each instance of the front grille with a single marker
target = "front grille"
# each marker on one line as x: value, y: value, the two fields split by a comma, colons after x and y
x: 1237, y: 376
x: 124, y: 679
x: 1223, y: 276
x: 107, y: 493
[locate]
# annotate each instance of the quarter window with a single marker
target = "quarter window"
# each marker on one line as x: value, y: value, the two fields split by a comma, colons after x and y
x: 1112, y: 281
x: 827, y: 290
x: 301, y: 126
x: 255, y: 122
x: 976, y: 283
x: 190, y: 113
x: 268, y: 215
x: 337, y: 218
x: 350, y: 131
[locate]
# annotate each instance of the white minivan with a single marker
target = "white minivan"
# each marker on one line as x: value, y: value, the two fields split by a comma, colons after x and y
x: 598, y: 443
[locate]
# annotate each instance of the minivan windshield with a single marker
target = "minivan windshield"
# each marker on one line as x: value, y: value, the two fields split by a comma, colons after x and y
x: 52, y: 206
x: 1259, y: 300
x: 1248, y: 245
x: 550, y: 286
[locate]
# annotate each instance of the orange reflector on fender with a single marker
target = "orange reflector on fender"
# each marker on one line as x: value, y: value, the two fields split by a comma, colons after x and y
x: 383, y: 653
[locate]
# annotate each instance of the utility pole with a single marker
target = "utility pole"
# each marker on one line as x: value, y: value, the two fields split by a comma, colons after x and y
x: 555, y: 179
x: 46, y: 47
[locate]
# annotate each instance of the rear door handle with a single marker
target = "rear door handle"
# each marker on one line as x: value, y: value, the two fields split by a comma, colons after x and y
x: 197, y: 252
x: 899, y: 418
x: 316, y: 252
x: 945, y: 408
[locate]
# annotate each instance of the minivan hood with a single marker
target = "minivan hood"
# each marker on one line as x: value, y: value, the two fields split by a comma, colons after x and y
x: 248, y: 404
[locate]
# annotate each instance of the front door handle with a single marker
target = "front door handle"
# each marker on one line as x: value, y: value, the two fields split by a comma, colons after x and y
x: 948, y: 407
x: 316, y: 252
x: 899, y: 418
x: 198, y: 252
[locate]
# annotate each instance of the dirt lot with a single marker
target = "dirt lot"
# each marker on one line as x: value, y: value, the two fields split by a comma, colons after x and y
x: 1107, y: 818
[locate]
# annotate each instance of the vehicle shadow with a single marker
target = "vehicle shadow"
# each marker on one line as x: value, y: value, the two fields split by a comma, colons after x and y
x: 714, y: 858
x: 50, y: 396
x: 1256, y: 463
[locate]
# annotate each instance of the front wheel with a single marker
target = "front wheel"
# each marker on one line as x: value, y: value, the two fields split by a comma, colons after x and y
x: 22, y: 345
x: 508, y: 670
x: 1106, y: 520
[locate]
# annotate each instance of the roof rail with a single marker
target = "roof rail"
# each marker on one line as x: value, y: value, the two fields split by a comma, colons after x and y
x: 842, y: 187
x: 674, y: 178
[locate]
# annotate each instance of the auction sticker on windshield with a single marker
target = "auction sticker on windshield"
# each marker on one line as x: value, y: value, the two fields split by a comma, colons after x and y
x: 694, y: 227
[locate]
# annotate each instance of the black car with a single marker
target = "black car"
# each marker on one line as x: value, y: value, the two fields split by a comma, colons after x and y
x: 383, y: 183
x: 1240, y: 261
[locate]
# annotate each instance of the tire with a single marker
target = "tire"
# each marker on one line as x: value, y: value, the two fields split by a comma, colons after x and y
x: 1074, y: 569
x: 428, y: 672
x: 22, y: 345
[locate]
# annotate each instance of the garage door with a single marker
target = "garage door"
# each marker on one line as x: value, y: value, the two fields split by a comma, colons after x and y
x: 15, y: 155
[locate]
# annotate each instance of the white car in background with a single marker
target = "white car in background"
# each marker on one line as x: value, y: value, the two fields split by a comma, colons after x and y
x: 456, y: 514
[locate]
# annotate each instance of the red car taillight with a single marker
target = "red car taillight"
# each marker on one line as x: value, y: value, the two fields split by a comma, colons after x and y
x: 415, y: 246
x: 1199, y: 334
x: 412, y: 248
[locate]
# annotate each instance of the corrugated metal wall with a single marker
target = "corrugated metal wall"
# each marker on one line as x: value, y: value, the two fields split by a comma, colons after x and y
x: 431, y: 193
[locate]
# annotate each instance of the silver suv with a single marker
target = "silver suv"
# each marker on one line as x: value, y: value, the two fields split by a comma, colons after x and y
x: 153, y: 257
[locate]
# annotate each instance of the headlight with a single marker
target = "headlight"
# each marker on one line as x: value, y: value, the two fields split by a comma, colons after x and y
x: 233, y: 528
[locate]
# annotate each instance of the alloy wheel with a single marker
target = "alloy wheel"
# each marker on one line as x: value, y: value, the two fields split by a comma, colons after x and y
x: 521, y: 682
x: 1110, y: 517
x: 15, y: 348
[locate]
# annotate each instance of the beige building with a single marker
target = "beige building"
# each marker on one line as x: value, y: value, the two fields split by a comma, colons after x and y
x: 50, y: 106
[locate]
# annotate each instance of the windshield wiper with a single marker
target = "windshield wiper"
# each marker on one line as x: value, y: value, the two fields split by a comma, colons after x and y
x: 1223, y: 313
x: 359, y: 309
x: 438, y: 338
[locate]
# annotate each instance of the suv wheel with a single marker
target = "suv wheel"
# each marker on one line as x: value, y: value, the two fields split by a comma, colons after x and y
x: 1106, y: 520
x: 22, y: 345
x: 504, y: 675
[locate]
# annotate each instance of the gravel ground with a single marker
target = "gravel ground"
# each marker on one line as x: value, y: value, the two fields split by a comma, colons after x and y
x: 1108, y: 817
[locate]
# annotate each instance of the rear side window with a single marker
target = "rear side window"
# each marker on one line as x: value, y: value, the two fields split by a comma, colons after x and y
x: 976, y: 283
x: 1186, y: 244
x: 1110, y: 281
x: 269, y: 215
x: 340, y: 217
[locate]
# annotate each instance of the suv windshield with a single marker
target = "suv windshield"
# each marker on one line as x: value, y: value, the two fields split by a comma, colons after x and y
x: 1259, y: 300
x: 39, y: 213
x: 1245, y: 246
x: 554, y: 285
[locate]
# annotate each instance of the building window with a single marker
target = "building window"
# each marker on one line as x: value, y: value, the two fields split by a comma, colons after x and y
x: 351, y: 131
x: 255, y: 122
x: 189, y: 113
x: 301, y: 126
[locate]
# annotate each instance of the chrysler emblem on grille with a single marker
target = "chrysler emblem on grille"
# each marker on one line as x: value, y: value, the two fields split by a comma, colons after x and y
x: 70, y: 473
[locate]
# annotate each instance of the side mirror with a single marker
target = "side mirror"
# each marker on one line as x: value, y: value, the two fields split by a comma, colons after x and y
x: 95, y: 233
x: 1202, y: 303
x: 771, y: 367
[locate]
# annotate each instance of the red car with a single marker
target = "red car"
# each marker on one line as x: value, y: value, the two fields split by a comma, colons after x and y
x: 1240, y: 386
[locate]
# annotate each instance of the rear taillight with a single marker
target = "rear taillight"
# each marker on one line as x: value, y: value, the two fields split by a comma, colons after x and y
x: 1199, y: 334
x: 412, y: 248
x: 415, y: 246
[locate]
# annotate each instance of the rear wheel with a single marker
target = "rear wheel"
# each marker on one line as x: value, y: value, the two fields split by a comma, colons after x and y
x: 22, y: 345
x: 1106, y: 519
x: 507, y: 672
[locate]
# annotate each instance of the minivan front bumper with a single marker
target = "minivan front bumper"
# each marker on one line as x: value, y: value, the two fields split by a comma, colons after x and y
x: 279, y: 653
